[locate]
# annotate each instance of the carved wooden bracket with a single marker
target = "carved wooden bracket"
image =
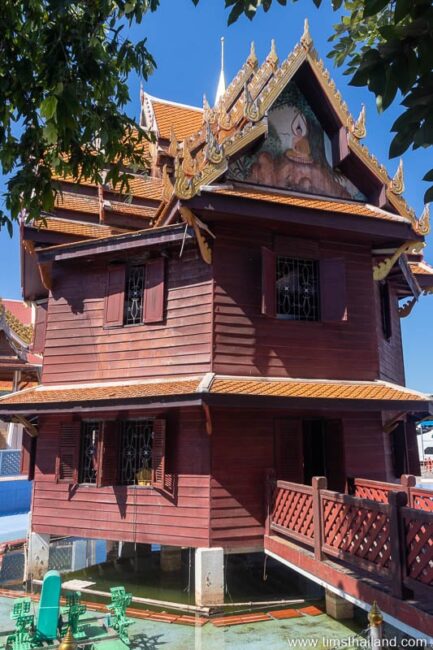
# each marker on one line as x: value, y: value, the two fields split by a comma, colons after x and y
x: 28, y: 426
x: 381, y: 270
x: 195, y: 223
x: 406, y: 309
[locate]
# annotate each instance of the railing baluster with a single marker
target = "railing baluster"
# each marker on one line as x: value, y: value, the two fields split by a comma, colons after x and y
x: 396, y: 501
x: 318, y: 483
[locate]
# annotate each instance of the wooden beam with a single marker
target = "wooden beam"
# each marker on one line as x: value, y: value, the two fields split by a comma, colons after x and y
x: 340, y: 147
x: 28, y: 426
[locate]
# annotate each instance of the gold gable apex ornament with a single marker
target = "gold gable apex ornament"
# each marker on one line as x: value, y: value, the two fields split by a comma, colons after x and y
x: 422, y: 226
x: 397, y: 183
x: 306, y: 39
x: 359, y: 128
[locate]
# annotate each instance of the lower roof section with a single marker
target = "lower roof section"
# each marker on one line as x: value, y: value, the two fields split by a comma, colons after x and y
x: 217, y: 390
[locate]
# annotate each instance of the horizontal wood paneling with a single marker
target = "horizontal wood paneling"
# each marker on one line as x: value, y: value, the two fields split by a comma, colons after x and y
x: 130, y: 514
x: 79, y: 348
x: 390, y: 351
x: 242, y: 449
x: 248, y: 343
x: 367, y: 447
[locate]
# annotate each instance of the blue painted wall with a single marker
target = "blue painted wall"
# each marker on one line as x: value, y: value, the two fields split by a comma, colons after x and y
x: 15, y: 497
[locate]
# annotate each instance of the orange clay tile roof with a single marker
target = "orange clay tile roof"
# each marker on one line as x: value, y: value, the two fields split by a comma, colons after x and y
x: 142, y: 187
x: 90, y: 230
x: 421, y: 268
x: 185, y: 120
x: 5, y: 386
x: 89, y: 204
x: 301, y: 202
x: 92, y: 393
x: 260, y: 387
x: 314, y: 389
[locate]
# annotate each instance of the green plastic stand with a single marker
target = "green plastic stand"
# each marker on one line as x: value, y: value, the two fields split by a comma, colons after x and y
x: 120, y: 600
x: 73, y: 610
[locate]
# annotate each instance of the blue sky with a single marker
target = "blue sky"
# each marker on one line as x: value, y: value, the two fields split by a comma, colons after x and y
x: 185, y: 41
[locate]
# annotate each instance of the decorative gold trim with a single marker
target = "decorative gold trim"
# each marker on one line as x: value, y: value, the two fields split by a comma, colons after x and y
x: 422, y: 226
x: 190, y: 218
x: 185, y: 187
x: 306, y: 40
x: 397, y: 183
x: 173, y: 146
x: 406, y: 308
x: 381, y: 270
x: 251, y: 109
x: 167, y: 185
x: 252, y: 57
x: 189, y: 164
x: 214, y: 151
x: 272, y: 57
x: 359, y: 129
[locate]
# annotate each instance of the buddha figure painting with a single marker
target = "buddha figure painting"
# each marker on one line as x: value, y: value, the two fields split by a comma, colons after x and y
x: 296, y: 154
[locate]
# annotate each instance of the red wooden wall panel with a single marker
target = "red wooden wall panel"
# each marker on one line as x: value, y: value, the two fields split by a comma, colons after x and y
x: 138, y: 514
x: 79, y: 348
x: 248, y: 343
x: 391, y: 364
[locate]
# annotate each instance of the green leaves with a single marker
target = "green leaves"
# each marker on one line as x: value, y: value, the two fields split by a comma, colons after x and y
x: 48, y: 107
x: 64, y: 71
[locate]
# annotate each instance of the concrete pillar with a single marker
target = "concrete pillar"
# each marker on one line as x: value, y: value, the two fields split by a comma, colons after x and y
x: 38, y: 554
x: 209, y: 576
x: 143, y: 554
x: 337, y: 607
x: 170, y: 559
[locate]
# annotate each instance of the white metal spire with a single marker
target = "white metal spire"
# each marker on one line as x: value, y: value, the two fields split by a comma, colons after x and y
x: 222, y: 80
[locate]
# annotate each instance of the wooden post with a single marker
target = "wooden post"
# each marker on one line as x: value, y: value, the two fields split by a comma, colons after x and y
x: 318, y: 483
x: 396, y: 501
x: 408, y: 481
x: 270, y: 480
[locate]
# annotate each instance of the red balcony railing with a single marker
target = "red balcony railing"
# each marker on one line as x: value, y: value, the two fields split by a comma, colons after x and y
x: 383, y: 528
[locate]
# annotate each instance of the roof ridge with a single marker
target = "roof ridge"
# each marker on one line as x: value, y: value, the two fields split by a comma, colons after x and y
x: 172, y: 103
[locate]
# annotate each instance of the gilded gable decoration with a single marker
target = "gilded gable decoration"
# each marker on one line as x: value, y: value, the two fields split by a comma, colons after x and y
x: 214, y: 151
x: 252, y: 57
x: 382, y: 269
x: 359, y: 129
x: 147, y: 114
x: 272, y: 57
x: 422, y: 226
x: 167, y: 185
x: 172, y: 147
x: 397, y: 183
x: 306, y: 39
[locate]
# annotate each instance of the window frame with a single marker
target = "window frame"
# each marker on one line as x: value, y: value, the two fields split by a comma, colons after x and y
x: 297, y: 263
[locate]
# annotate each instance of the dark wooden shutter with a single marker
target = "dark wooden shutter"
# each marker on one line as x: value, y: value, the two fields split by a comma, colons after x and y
x: 334, y: 455
x: 108, y: 454
x: 40, y: 328
x: 158, y: 454
x: 412, y: 447
x: 115, y: 296
x: 269, y: 278
x: 288, y: 458
x: 153, y: 308
x: 333, y: 297
x: 28, y: 456
x: 67, y: 458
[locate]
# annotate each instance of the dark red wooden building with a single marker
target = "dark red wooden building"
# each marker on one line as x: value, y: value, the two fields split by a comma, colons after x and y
x: 240, y: 313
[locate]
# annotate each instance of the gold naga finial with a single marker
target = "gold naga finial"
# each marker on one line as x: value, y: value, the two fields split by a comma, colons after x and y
x: 422, y: 226
x: 375, y: 616
x: 306, y: 40
x: 397, y: 184
x: 189, y: 165
x: 359, y: 129
x: 272, y: 57
x: 252, y: 57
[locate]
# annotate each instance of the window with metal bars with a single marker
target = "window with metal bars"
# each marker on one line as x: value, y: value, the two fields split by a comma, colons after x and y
x: 134, y: 295
x: 136, y: 442
x: 88, y: 464
x: 297, y: 289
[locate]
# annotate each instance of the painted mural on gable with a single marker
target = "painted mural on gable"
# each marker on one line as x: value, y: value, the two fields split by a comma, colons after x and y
x: 296, y: 155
